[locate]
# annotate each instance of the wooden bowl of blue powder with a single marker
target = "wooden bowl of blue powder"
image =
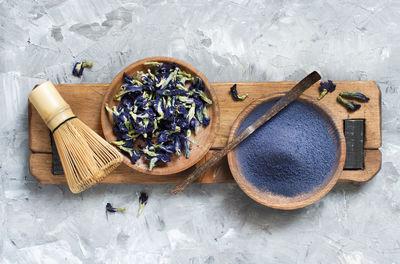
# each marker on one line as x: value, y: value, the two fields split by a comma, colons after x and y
x: 291, y: 161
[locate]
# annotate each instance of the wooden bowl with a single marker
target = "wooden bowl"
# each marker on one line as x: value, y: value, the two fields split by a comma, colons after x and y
x: 274, y: 200
x: 205, y: 136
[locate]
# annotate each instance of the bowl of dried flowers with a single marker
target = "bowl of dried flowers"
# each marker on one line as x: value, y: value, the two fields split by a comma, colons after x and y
x: 162, y: 114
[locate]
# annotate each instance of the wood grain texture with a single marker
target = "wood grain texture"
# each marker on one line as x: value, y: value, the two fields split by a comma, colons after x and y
x: 40, y: 167
x: 205, y: 138
x: 371, y: 111
x: 86, y: 100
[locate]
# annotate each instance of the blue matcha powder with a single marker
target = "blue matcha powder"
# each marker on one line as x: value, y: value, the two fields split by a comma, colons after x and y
x: 291, y: 154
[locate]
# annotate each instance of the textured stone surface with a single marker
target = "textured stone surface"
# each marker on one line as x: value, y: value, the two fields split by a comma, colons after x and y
x: 227, y: 41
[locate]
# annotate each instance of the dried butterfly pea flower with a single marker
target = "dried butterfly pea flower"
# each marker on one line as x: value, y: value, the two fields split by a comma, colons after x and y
x: 351, y: 106
x: 354, y: 95
x: 122, y: 144
x: 111, y: 209
x: 235, y: 95
x: 158, y: 106
x: 206, y: 119
x: 79, y: 66
x: 195, y: 125
x: 204, y: 97
x: 325, y: 87
x: 177, y: 145
x: 143, y: 198
x: 184, y: 140
x: 153, y: 63
x: 157, y: 152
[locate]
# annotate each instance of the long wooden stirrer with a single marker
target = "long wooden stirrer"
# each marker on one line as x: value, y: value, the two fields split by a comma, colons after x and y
x: 289, y: 97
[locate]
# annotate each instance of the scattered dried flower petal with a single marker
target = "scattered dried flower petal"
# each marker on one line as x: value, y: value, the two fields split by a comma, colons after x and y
x: 111, y: 209
x: 235, y: 95
x: 351, y: 106
x: 79, y: 66
x: 142, y: 202
x: 325, y: 87
x: 355, y: 95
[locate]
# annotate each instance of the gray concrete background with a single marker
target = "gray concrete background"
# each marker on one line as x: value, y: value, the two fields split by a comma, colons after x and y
x: 227, y: 41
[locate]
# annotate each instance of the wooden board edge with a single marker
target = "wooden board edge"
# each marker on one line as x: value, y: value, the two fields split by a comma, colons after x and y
x: 380, y: 114
x: 55, y: 179
x: 40, y: 168
x: 346, y: 175
x: 373, y: 163
x: 219, y: 174
x: 30, y: 125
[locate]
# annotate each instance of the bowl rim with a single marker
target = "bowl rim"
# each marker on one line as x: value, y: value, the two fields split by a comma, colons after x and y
x: 106, y: 118
x: 279, y: 201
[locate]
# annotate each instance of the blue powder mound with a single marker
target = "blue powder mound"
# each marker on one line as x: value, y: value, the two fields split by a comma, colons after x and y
x: 291, y: 154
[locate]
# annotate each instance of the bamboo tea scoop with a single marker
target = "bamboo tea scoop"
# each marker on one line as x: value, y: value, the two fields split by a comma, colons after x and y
x: 288, y: 98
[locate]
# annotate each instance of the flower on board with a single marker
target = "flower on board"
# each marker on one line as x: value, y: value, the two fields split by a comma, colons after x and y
x: 235, y: 95
x: 351, y: 106
x: 355, y: 95
x: 325, y: 87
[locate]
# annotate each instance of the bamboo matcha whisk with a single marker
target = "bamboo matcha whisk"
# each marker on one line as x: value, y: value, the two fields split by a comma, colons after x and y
x: 85, y: 156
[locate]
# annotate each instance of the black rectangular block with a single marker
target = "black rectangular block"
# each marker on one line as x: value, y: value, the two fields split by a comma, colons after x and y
x: 354, y: 130
x: 56, y: 162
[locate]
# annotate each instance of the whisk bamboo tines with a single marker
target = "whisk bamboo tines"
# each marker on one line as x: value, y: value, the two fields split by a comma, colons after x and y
x: 86, y: 157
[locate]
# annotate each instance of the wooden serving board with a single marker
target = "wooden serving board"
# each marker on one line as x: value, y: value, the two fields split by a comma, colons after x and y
x: 85, y: 100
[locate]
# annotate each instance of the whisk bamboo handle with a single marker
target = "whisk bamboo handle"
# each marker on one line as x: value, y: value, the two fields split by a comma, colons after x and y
x: 50, y: 105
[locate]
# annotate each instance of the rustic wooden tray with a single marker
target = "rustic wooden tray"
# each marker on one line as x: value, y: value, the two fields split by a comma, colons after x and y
x: 85, y: 100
